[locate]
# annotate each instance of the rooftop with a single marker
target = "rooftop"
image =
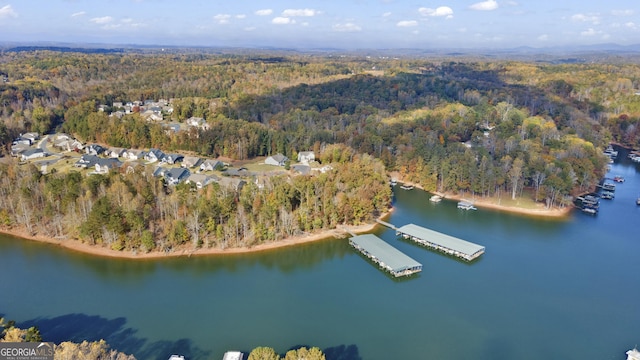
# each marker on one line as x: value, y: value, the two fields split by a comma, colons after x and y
x: 385, y: 253
x: 441, y: 239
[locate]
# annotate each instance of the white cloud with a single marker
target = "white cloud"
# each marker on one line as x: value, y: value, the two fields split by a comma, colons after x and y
x: 299, y: 12
x: 543, y: 37
x: 241, y: 16
x: 590, y: 32
x: 627, y: 12
x: 592, y: 18
x: 222, y: 18
x: 348, y: 27
x: 631, y: 25
x: 407, y: 23
x: 7, y: 12
x: 79, y: 13
x: 512, y: 3
x: 440, y: 11
x: 264, y: 12
x: 282, y: 21
x: 102, y: 20
x: 485, y: 5
x: 387, y: 14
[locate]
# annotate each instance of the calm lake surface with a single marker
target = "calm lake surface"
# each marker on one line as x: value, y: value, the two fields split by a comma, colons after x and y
x: 544, y: 289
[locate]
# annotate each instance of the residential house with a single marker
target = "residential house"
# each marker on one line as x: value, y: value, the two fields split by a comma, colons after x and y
x: 94, y: 149
x: 197, y: 122
x: 151, y: 115
x: 32, y: 136
x: 210, y: 165
x: 191, y: 161
x: 233, y: 183
x: 172, y: 158
x: 31, y: 154
x: 133, y: 154
x: 22, y: 141
x: 175, y: 176
x: 200, y: 180
x: 18, y: 149
x: 306, y: 157
x: 87, y: 161
x: 277, y: 160
x: 116, y: 152
x: 160, y: 171
x: 238, y: 172
x: 154, y: 155
x: 103, y: 166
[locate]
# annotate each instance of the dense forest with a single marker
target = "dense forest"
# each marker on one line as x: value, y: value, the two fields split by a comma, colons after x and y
x: 483, y: 128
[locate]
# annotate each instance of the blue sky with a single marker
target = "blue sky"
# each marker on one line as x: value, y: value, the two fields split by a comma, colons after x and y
x: 348, y: 24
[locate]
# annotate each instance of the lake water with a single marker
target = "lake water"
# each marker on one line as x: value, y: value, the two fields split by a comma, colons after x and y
x: 544, y: 289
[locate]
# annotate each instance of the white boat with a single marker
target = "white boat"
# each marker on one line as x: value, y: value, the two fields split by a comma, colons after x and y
x: 176, y: 357
x: 435, y: 198
x: 466, y: 205
x: 233, y: 355
x: 406, y: 187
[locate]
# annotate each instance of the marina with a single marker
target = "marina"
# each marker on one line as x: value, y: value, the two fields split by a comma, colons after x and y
x: 444, y: 243
x: 385, y: 255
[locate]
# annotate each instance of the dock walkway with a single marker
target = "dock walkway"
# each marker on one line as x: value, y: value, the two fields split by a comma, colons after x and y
x: 447, y: 244
x: 385, y: 255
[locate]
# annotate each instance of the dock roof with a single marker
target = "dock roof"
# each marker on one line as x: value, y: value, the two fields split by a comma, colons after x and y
x: 441, y: 239
x: 390, y: 256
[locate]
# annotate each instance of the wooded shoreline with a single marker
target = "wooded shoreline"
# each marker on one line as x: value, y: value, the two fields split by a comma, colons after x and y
x: 185, y: 251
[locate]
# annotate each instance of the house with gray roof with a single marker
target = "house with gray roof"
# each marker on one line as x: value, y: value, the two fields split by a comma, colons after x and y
x: 175, y: 176
x: 87, y: 161
x: 210, y: 165
x: 276, y: 160
x: 172, y: 158
x: 154, y: 155
x: 191, y: 161
x: 31, y: 154
x: 103, y: 166
x: 199, y: 180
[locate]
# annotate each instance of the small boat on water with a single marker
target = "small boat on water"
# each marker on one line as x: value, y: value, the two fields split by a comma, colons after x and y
x: 393, y: 182
x: 638, y: 201
x: 618, y: 179
x: 435, y: 198
x: 607, y: 195
x: 233, y: 355
x: 406, y: 187
x: 609, y: 187
x: 590, y: 210
x: 466, y: 205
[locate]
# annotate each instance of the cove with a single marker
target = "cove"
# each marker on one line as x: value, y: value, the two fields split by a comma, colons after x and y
x: 544, y: 289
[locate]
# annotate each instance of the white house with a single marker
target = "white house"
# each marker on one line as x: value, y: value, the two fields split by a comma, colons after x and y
x: 32, y: 154
x: 200, y: 180
x: 306, y: 157
x: 277, y: 160
x: 210, y: 165
x: 154, y: 155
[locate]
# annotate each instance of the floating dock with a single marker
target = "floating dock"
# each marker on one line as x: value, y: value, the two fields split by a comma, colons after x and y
x: 385, y: 255
x: 447, y: 244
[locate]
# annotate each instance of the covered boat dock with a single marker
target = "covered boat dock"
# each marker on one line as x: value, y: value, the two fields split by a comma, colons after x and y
x: 385, y: 255
x: 438, y: 241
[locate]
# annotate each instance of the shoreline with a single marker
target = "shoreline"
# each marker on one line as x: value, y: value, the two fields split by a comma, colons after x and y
x: 185, y: 251
x: 555, y: 213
